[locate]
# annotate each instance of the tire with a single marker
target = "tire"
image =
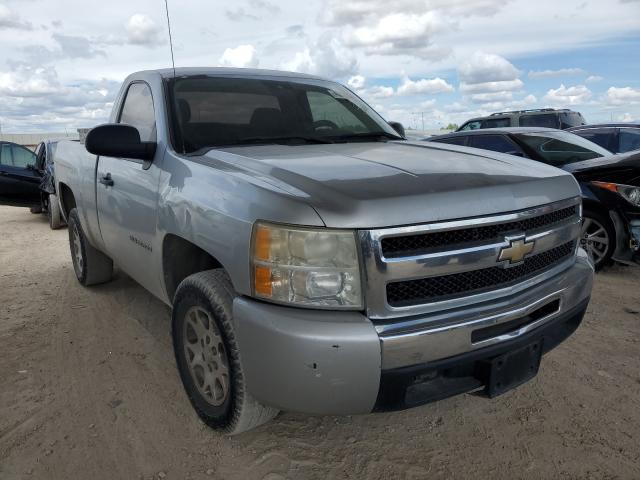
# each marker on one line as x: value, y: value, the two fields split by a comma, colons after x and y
x: 598, y: 238
x: 90, y: 265
x: 53, y: 213
x: 204, y: 300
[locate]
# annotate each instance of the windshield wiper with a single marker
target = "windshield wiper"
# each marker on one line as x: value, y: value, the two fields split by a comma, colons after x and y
x: 381, y: 135
x: 282, y: 139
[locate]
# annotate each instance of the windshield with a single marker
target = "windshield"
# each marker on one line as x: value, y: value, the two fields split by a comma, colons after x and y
x: 560, y: 148
x: 222, y: 111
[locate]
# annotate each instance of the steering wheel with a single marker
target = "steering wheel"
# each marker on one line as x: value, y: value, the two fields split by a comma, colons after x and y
x: 324, y: 125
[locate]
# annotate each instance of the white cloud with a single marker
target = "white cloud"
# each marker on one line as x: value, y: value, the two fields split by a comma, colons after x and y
x: 401, y: 34
x: 594, y: 78
x: 142, y: 30
x: 242, y: 56
x: 626, y: 117
x: 9, y: 19
x: 489, y: 87
x: 378, y: 91
x: 622, y: 96
x: 26, y: 81
x: 424, y: 86
x: 573, y: 95
x: 485, y: 68
x: 562, y: 72
x: 326, y: 57
x: 356, y: 82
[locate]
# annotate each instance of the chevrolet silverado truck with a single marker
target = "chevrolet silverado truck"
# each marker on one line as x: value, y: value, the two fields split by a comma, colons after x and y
x: 316, y: 261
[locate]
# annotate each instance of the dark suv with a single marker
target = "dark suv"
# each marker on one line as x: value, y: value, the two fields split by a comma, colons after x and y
x: 546, y: 117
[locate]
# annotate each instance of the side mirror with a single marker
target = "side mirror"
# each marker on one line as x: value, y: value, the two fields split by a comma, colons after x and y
x: 397, y: 126
x: 118, y: 140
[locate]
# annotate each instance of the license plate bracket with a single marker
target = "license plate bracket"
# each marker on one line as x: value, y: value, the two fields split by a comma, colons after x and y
x: 513, y: 368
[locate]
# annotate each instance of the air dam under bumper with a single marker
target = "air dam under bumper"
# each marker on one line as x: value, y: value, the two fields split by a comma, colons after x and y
x: 328, y: 362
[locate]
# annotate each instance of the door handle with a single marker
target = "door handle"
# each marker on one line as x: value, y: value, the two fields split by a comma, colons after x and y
x: 106, y: 180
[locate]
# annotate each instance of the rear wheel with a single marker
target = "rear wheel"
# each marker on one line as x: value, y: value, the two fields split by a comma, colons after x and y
x: 598, y: 238
x: 208, y: 356
x: 90, y: 265
x: 53, y: 213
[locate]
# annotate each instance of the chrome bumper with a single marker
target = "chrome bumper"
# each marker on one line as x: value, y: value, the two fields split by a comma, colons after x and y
x: 445, y: 334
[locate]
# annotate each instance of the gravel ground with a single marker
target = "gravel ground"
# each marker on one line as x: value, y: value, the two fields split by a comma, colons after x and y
x: 89, y: 390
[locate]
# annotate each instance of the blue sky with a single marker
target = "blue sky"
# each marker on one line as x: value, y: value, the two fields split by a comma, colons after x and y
x: 60, y: 68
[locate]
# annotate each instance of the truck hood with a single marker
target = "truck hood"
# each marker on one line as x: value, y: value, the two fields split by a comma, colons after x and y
x: 379, y: 184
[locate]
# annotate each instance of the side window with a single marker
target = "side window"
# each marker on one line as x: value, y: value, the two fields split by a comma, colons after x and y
x: 629, y: 139
x: 495, y: 143
x: 601, y: 136
x: 22, y: 156
x: 474, y: 125
x: 16, y: 156
x: 461, y: 140
x: 496, y: 123
x: 548, y: 120
x: 6, y: 157
x: 329, y: 108
x: 138, y: 111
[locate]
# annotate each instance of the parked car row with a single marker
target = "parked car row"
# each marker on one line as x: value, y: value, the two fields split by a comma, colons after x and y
x: 610, y: 184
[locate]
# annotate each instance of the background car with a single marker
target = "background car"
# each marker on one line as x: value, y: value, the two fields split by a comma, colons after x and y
x: 26, y: 179
x: 615, y: 137
x: 610, y: 183
x: 545, y: 117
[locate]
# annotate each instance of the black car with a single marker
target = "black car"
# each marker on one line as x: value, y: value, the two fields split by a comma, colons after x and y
x: 542, y: 117
x: 26, y: 179
x: 610, y: 183
x: 615, y: 137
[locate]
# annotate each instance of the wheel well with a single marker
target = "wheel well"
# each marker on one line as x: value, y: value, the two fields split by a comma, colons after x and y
x: 181, y: 258
x: 67, y: 200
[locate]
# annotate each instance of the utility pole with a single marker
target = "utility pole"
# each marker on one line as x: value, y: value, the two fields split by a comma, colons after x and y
x: 421, y: 116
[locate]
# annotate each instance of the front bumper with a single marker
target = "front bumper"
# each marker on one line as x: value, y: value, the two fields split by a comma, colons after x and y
x: 329, y: 362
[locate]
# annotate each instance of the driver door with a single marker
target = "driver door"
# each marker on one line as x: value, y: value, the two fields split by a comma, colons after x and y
x: 127, y: 196
x: 19, y: 180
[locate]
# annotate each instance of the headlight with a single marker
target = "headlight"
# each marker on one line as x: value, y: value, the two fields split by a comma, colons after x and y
x: 630, y: 193
x: 306, y: 267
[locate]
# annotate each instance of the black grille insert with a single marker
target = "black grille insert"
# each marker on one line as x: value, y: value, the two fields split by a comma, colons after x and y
x: 393, y: 247
x: 412, y: 292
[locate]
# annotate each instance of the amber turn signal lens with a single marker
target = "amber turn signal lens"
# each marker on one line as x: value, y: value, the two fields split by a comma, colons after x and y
x: 262, y: 279
x: 607, y: 186
x: 262, y: 243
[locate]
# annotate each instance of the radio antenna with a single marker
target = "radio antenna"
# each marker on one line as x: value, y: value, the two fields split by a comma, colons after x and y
x: 173, y: 63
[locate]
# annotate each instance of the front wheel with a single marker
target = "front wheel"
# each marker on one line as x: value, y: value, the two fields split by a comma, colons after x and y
x: 208, y: 355
x: 53, y: 213
x: 598, y: 238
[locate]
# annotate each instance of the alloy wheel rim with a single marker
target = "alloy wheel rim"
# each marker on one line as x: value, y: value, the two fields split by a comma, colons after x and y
x: 206, y: 356
x: 594, y: 239
x: 77, y: 251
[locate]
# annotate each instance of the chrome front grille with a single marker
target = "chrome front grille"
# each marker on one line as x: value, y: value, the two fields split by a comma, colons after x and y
x: 411, y: 292
x: 404, y: 246
x: 438, y: 266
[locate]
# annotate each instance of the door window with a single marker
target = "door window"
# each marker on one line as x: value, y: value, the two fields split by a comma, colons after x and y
x: 16, y: 156
x: 600, y: 136
x: 629, y: 139
x: 138, y: 111
x: 495, y: 143
x: 496, y: 123
x: 473, y: 125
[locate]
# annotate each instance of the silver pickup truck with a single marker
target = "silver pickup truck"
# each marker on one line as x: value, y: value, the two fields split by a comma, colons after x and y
x: 314, y: 259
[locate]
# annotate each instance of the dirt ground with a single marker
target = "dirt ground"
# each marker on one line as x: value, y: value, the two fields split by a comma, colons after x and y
x: 89, y: 390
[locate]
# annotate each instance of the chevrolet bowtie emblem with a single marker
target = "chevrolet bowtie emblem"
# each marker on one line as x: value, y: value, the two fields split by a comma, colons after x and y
x: 517, y: 249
